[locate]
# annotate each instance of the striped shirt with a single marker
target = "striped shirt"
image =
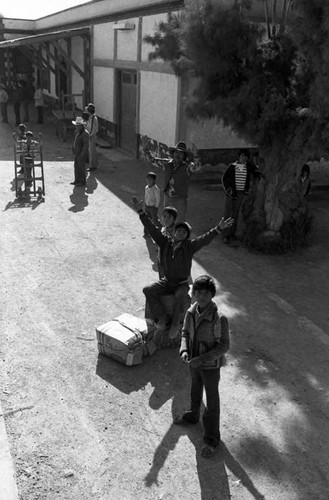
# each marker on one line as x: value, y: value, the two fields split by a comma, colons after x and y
x: 240, y: 176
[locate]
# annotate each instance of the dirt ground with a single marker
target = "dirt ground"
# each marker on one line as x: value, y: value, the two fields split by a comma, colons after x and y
x: 82, y: 426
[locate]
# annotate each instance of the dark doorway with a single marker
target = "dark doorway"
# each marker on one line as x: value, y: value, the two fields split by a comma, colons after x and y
x: 127, y: 110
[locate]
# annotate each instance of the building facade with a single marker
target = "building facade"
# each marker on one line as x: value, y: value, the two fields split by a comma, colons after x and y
x: 96, y: 51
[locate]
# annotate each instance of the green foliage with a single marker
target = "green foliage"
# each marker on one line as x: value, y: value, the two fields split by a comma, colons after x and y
x: 260, y: 86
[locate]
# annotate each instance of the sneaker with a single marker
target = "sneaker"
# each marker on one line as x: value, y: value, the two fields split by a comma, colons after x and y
x: 185, y: 419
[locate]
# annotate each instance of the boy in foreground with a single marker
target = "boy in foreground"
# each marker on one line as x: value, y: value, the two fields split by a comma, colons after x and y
x: 176, y: 256
x: 204, y: 341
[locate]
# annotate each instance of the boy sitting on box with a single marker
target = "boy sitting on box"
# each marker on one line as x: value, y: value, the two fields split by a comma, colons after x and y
x: 176, y: 256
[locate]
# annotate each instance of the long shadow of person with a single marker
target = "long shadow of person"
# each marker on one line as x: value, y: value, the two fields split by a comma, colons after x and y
x: 79, y: 199
x: 212, y: 475
x: 92, y: 184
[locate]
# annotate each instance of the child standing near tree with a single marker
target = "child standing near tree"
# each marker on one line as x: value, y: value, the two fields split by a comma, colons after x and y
x: 204, y: 341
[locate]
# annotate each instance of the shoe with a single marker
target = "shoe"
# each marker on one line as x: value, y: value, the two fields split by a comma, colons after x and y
x: 73, y: 183
x: 208, y: 451
x: 226, y: 240
x: 184, y: 420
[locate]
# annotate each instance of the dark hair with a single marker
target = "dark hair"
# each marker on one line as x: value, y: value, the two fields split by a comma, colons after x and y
x: 204, y: 282
x: 21, y: 126
x: 185, y: 225
x: 306, y: 169
x: 29, y: 132
x: 151, y: 174
x: 171, y: 211
x: 244, y: 152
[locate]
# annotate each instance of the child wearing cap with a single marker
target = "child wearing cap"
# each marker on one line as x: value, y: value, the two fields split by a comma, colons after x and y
x: 30, y: 146
x: 151, y: 200
x: 169, y: 216
x: 80, y: 151
x: 92, y: 129
x: 204, y: 342
x: 176, y: 256
x: 20, y: 137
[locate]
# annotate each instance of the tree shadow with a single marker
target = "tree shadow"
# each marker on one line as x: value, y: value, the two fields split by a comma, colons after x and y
x: 79, y: 200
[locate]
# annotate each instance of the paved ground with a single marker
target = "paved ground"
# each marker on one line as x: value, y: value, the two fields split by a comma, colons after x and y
x: 81, y: 426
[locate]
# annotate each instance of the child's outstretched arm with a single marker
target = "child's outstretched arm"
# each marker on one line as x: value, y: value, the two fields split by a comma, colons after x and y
x: 207, y: 237
x: 155, y: 232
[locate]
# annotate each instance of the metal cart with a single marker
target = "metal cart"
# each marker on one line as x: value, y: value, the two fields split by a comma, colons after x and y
x: 28, y: 164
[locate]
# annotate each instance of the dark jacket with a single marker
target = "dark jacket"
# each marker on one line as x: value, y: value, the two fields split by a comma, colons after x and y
x: 80, y: 145
x: 228, y: 179
x: 205, y: 336
x: 176, y: 264
x: 177, y: 179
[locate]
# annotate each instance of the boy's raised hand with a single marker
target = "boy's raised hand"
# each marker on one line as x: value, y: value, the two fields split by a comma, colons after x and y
x: 225, y: 223
x: 184, y: 357
x: 138, y: 205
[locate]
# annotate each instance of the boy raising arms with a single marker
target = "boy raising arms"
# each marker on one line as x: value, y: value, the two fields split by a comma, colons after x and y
x: 169, y: 216
x: 204, y: 341
x: 176, y: 256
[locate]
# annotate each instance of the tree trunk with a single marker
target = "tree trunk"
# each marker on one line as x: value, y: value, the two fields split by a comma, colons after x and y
x: 276, y: 216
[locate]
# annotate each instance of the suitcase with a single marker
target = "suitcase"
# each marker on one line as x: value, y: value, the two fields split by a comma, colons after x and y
x: 126, y: 339
x: 143, y: 326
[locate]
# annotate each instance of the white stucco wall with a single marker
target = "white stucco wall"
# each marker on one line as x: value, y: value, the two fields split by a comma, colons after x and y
x: 103, y: 41
x: 158, y: 106
x: 148, y: 28
x: 128, y: 42
x: 103, y: 92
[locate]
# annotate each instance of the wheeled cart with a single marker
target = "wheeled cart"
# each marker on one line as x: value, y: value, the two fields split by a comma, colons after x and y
x: 28, y: 164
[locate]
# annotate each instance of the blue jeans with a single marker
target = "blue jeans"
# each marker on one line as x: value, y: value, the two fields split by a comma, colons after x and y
x: 232, y: 209
x: 209, y: 380
x: 153, y: 294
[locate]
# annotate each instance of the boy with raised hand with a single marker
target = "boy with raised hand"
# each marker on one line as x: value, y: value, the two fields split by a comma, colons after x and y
x: 176, y: 256
x: 169, y: 216
x: 204, y: 341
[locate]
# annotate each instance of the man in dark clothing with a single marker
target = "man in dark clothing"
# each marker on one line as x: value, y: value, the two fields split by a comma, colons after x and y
x: 176, y: 256
x: 80, y: 151
x: 236, y: 183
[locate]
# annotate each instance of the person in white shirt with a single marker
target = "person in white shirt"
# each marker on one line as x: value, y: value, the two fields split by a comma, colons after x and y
x: 92, y: 129
x: 152, y: 200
